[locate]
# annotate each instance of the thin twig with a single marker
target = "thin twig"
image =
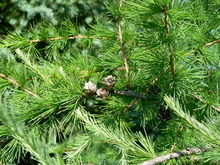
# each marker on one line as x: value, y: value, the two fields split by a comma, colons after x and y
x: 211, y: 43
x: 155, y: 128
x: 121, y: 41
x: 205, y: 45
x: 72, y: 37
x: 166, y: 26
x: 177, y: 154
x: 130, y: 105
x: 15, y: 83
x: 212, y: 106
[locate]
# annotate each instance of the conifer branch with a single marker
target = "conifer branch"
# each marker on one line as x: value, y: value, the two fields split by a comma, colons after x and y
x: 132, y: 42
x: 153, y: 82
x: 15, y: 83
x: 131, y: 94
x: 166, y: 26
x: 175, y: 155
x: 121, y: 41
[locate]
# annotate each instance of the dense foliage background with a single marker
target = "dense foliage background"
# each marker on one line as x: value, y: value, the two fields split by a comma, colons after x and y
x: 22, y: 14
x: 131, y: 85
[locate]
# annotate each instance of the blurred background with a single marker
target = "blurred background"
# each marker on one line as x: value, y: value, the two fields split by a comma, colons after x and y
x: 22, y: 14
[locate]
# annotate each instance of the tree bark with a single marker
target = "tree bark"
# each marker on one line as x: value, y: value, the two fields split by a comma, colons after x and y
x: 176, y: 154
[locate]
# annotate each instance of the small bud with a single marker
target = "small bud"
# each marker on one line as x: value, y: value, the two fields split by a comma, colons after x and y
x: 109, y: 81
x: 102, y: 92
x: 90, y: 87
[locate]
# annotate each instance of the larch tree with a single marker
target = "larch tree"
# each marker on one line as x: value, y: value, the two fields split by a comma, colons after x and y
x: 139, y: 88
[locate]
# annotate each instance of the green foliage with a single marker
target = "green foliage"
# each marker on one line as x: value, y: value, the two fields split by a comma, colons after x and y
x: 19, y: 14
x: 163, y: 56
